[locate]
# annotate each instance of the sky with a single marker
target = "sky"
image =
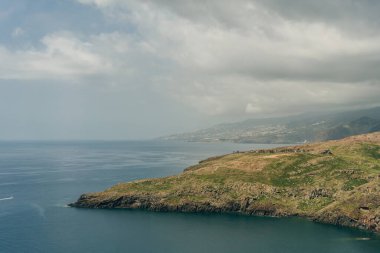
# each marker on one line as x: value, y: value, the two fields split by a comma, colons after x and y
x: 138, y: 69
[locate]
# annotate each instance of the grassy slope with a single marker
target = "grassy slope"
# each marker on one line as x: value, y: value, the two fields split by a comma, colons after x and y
x: 341, y: 188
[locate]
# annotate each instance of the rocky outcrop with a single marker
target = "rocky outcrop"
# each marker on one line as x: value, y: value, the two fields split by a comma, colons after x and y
x: 371, y: 223
x: 245, y: 207
x: 318, y: 193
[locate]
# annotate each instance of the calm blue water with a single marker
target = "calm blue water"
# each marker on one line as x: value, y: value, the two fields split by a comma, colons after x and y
x: 38, y: 179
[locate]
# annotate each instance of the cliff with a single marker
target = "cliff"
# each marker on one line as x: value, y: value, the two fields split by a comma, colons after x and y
x: 335, y: 182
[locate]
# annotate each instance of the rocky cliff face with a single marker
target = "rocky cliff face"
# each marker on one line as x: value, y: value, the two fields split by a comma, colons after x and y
x: 335, y: 182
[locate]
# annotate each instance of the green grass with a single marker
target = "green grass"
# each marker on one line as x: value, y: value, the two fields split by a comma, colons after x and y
x: 352, y: 183
x: 284, y: 184
x: 371, y: 150
x: 298, y: 173
x: 153, y: 185
x: 313, y: 205
x: 290, y: 172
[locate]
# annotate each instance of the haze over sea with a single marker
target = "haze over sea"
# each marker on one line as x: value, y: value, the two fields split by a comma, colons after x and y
x: 38, y: 179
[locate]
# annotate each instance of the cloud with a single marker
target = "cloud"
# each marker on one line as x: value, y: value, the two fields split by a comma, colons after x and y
x: 100, y: 3
x: 250, y: 108
x: 351, y: 16
x: 226, y: 57
x: 61, y: 56
x: 236, y: 96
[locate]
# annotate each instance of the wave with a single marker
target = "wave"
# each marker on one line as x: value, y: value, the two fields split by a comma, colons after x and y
x: 8, y: 198
x: 362, y: 239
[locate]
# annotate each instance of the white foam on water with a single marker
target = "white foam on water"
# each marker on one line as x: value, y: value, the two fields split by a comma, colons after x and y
x: 61, y: 205
x: 362, y: 239
x: 8, y: 198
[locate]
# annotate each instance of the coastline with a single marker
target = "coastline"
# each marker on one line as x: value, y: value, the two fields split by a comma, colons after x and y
x: 155, y: 205
x: 335, y: 182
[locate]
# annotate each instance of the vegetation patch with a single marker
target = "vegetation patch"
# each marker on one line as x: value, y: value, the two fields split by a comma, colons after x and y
x: 313, y: 205
x: 372, y: 151
x: 355, y: 182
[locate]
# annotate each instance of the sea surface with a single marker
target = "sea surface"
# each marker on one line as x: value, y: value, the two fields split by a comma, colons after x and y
x: 38, y: 180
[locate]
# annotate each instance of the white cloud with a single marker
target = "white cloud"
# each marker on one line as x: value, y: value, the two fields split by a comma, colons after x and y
x: 252, y: 109
x: 100, y: 3
x: 219, y: 57
x: 62, y: 56
x: 234, y: 96
x: 252, y: 60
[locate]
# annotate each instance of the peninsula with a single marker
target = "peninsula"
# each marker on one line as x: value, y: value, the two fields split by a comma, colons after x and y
x: 336, y: 182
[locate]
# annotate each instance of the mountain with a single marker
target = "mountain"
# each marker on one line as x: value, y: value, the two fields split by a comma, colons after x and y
x: 335, y: 182
x: 293, y: 129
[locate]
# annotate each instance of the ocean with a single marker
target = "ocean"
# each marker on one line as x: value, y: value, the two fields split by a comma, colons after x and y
x: 39, y: 179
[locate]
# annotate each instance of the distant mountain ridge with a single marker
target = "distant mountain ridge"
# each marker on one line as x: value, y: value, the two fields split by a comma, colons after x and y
x: 293, y: 129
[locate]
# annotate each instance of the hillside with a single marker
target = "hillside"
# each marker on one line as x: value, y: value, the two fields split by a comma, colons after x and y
x: 294, y: 129
x: 334, y: 182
